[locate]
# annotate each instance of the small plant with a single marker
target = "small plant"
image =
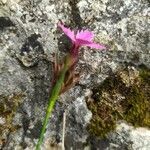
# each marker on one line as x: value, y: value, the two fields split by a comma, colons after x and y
x: 64, y: 73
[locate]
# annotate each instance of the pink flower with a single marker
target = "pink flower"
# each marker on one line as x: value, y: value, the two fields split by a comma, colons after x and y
x: 80, y: 38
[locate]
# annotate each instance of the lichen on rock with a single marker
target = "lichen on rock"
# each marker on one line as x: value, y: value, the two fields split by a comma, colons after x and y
x: 29, y: 39
x: 124, y: 96
x: 8, y: 108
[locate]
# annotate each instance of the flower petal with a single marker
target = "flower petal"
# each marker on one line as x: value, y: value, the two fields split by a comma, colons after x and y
x: 67, y: 31
x: 85, y: 35
x: 82, y: 42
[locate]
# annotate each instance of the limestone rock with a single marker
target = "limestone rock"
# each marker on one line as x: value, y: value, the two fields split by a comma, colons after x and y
x: 29, y: 39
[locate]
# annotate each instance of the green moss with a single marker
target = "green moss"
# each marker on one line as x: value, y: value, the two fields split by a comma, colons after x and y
x: 145, y: 74
x: 8, y: 107
x: 138, y: 108
x: 115, y: 100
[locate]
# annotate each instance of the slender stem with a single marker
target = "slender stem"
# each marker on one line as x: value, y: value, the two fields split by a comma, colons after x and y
x: 52, y: 100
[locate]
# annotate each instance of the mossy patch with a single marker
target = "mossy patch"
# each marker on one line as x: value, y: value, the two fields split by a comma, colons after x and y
x: 8, y: 107
x: 124, y: 95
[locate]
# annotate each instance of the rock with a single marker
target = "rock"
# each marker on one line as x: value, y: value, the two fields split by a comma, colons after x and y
x: 80, y: 114
x: 127, y: 137
x: 4, y: 1
x: 29, y: 39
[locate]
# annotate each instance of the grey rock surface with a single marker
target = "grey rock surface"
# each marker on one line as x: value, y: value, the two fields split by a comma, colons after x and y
x: 29, y: 38
x: 127, y: 137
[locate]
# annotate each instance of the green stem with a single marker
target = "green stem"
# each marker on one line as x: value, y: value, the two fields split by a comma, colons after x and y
x: 52, y: 100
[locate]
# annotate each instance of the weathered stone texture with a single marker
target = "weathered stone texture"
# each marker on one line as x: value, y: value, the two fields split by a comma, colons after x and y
x: 29, y: 38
